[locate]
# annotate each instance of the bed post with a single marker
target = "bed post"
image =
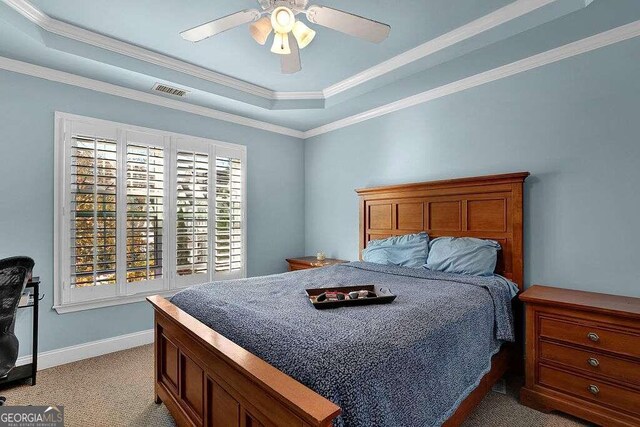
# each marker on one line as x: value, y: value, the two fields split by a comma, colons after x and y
x: 156, y: 358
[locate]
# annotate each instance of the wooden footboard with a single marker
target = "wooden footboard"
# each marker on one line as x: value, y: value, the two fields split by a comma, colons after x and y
x: 205, y: 379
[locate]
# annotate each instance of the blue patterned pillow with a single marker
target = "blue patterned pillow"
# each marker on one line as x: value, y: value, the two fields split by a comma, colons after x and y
x: 463, y: 255
x: 409, y: 250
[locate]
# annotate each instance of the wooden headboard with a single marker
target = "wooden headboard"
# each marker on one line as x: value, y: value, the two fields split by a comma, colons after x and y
x: 487, y: 207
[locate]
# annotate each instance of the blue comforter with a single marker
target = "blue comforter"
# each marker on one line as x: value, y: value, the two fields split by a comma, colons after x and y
x: 408, y: 363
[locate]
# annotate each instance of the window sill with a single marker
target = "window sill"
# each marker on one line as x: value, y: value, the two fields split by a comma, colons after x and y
x: 109, y: 302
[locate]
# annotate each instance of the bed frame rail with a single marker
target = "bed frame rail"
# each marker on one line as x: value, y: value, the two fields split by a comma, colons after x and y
x: 207, y: 380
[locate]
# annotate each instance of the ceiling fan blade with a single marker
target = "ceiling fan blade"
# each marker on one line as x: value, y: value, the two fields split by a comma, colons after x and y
x: 348, y: 23
x: 220, y: 25
x: 290, y: 64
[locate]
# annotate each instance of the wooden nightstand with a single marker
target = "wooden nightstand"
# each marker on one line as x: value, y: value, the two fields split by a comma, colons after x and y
x: 306, y: 262
x: 583, y: 355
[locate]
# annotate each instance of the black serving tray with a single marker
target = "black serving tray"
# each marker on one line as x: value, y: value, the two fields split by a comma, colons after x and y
x: 383, y: 296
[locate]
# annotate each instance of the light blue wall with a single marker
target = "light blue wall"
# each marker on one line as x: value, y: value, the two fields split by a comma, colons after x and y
x: 27, y: 105
x: 575, y: 125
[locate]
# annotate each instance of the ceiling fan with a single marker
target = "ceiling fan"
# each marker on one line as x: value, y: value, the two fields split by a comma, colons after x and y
x: 291, y: 35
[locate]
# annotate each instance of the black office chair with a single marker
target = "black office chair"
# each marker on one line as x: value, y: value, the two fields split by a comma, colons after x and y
x: 15, y: 272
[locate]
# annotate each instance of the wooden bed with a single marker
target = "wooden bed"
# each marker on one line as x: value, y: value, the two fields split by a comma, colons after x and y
x: 205, y: 379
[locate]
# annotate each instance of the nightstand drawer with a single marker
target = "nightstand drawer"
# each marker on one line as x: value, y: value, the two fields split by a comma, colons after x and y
x: 590, y: 389
x: 591, y: 362
x: 596, y: 336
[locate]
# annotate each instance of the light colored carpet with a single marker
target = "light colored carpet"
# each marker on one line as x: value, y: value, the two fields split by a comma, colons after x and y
x: 117, y: 390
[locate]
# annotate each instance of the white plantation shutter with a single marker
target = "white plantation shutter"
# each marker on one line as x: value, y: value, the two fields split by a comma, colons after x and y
x: 145, y: 209
x: 229, y: 218
x: 141, y: 211
x: 192, y: 213
x: 90, y: 177
x: 93, y: 211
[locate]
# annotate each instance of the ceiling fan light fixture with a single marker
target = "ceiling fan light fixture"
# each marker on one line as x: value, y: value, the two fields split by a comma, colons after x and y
x: 290, y: 35
x: 303, y: 34
x: 281, y: 44
x: 261, y: 29
x: 282, y: 20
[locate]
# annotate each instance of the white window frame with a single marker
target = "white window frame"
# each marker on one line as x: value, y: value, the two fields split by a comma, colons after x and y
x: 123, y: 292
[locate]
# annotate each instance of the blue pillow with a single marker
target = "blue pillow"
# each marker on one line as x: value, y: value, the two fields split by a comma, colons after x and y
x: 463, y: 255
x: 409, y: 250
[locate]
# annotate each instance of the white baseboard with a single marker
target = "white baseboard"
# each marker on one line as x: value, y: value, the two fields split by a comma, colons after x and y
x: 61, y: 356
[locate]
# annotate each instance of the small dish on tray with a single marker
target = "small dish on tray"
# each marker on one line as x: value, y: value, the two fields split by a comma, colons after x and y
x: 344, y: 296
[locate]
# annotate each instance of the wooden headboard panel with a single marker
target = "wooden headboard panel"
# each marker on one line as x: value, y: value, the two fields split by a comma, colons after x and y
x: 487, y: 207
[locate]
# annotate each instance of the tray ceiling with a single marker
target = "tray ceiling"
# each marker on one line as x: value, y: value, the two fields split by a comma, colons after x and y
x: 433, y: 44
x: 331, y: 57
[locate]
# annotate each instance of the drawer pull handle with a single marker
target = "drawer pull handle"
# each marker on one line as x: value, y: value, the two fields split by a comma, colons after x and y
x: 593, y: 336
x: 593, y: 362
x: 593, y: 389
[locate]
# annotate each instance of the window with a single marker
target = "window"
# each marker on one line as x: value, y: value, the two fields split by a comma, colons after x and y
x: 94, y: 170
x: 228, y: 242
x: 192, y: 204
x: 141, y: 211
x: 145, y: 209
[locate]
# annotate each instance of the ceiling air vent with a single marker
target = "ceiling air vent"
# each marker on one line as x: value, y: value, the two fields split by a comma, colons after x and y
x: 159, y: 87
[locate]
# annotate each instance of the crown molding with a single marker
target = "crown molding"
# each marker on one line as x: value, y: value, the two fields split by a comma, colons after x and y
x: 296, y: 96
x: 498, y: 17
x: 136, y: 95
x: 579, y: 47
x: 73, y: 32
x: 485, y: 23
